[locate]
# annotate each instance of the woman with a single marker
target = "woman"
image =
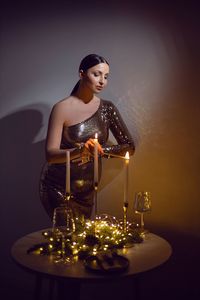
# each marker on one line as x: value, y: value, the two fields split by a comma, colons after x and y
x: 72, y: 125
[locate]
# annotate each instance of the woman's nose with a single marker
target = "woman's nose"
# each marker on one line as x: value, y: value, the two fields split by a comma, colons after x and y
x: 101, y: 81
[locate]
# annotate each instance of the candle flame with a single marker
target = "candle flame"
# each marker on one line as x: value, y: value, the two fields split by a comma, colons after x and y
x: 96, y: 136
x: 127, y: 155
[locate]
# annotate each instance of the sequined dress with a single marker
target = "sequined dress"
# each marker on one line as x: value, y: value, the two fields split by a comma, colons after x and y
x: 53, y: 176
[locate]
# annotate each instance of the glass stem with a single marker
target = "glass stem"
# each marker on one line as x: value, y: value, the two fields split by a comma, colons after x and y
x: 142, y: 221
x: 63, y: 247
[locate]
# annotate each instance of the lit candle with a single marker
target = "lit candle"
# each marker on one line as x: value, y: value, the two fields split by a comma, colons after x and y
x: 96, y: 159
x: 68, y: 172
x: 126, y: 179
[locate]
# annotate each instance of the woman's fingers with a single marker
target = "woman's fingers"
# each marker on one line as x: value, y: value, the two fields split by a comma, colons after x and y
x: 90, y: 146
x: 100, y: 149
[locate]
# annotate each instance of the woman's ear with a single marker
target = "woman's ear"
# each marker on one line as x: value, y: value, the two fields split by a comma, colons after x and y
x: 81, y: 73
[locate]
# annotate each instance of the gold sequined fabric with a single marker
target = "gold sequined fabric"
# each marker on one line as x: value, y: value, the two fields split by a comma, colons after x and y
x: 52, y: 180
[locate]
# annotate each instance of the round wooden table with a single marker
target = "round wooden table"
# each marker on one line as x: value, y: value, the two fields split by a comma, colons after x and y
x: 149, y: 254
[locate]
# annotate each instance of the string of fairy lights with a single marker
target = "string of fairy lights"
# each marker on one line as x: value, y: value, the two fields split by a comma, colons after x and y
x: 89, y: 238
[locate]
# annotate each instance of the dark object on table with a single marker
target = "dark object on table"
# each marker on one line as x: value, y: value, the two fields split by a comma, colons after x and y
x: 106, y: 263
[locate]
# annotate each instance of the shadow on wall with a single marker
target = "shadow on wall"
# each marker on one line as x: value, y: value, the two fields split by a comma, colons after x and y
x: 21, y: 161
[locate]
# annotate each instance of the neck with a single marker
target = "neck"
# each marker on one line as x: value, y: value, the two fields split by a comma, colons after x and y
x: 84, y: 94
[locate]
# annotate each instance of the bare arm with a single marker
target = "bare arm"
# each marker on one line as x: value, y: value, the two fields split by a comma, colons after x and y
x: 54, y: 134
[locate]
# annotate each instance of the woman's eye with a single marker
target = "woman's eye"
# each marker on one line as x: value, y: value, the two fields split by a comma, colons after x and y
x: 96, y: 75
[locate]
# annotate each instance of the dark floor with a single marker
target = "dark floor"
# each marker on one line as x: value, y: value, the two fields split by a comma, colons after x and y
x: 156, y: 284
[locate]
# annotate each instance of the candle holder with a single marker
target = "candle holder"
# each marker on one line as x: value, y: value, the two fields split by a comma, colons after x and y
x: 96, y: 173
x: 125, y: 208
x: 67, y: 198
x: 95, y: 199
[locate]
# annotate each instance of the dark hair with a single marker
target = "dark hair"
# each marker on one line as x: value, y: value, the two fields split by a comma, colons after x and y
x: 88, y: 62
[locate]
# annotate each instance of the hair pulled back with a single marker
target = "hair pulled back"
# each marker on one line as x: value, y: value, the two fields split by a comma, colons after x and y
x: 88, y: 62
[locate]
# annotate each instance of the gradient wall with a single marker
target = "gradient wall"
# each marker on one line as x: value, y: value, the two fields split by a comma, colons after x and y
x: 153, y: 51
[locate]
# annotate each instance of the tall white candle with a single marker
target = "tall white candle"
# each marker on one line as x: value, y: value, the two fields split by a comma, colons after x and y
x: 96, y: 159
x: 68, y: 172
x: 126, y: 178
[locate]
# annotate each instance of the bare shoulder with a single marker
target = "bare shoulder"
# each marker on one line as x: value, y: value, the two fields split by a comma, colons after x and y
x: 64, y: 103
x: 61, y: 106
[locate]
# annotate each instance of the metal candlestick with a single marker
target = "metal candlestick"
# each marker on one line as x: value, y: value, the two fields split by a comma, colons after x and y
x: 125, y: 208
x: 95, y: 199
x: 67, y: 197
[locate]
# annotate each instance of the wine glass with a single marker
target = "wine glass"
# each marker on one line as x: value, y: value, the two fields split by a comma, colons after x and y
x: 142, y: 204
x: 63, y: 228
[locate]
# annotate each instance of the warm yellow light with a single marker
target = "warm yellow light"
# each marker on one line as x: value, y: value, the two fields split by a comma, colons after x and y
x: 108, y: 236
x: 127, y: 157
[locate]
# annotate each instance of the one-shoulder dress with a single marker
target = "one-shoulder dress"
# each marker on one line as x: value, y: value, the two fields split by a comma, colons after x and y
x: 53, y: 176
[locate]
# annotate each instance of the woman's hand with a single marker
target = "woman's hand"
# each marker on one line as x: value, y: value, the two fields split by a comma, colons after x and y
x: 89, y: 145
x: 87, y: 151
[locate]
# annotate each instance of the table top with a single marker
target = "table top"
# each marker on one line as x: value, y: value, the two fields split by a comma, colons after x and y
x: 149, y: 254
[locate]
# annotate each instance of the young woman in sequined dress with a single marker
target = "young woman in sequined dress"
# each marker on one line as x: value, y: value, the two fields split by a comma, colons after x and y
x: 72, y: 126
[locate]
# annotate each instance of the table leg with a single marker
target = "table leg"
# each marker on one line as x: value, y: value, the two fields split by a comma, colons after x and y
x: 38, y: 287
x: 51, y: 288
x: 136, y: 288
x: 68, y: 290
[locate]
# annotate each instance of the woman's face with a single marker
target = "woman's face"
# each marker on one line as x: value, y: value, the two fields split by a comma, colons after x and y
x: 95, y: 78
